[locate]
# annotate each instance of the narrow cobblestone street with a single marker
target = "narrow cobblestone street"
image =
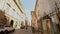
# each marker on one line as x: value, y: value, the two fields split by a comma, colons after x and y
x: 22, y: 31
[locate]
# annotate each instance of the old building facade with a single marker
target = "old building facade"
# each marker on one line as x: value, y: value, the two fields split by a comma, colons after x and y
x: 34, y: 20
x: 46, y: 13
x: 13, y: 12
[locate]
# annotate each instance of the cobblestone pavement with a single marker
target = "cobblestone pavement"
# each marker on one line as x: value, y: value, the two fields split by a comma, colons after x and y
x: 23, y: 31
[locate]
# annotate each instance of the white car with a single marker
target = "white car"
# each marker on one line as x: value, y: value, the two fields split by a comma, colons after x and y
x: 6, y: 29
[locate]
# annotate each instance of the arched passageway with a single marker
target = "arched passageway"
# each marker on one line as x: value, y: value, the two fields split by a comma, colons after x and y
x: 11, y: 23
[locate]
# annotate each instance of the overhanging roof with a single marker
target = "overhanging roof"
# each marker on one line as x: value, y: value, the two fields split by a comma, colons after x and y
x: 19, y: 5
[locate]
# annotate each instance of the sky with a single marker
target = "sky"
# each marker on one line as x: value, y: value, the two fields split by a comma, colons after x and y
x: 29, y: 6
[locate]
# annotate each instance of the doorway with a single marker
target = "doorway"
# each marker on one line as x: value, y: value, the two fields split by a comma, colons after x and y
x: 11, y: 23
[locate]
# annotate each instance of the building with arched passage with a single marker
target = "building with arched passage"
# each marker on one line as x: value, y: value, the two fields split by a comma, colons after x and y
x: 14, y: 12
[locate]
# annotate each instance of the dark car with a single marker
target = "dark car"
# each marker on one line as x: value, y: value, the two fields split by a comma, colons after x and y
x: 22, y: 27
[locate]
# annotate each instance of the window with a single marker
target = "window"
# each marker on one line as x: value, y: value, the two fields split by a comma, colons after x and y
x: 8, y: 4
x: 13, y: 9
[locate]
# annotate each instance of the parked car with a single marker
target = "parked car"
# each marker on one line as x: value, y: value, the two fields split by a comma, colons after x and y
x: 9, y: 29
x: 6, y: 29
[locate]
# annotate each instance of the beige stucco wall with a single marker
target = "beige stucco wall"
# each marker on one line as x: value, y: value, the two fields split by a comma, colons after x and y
x: 47, y: 6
